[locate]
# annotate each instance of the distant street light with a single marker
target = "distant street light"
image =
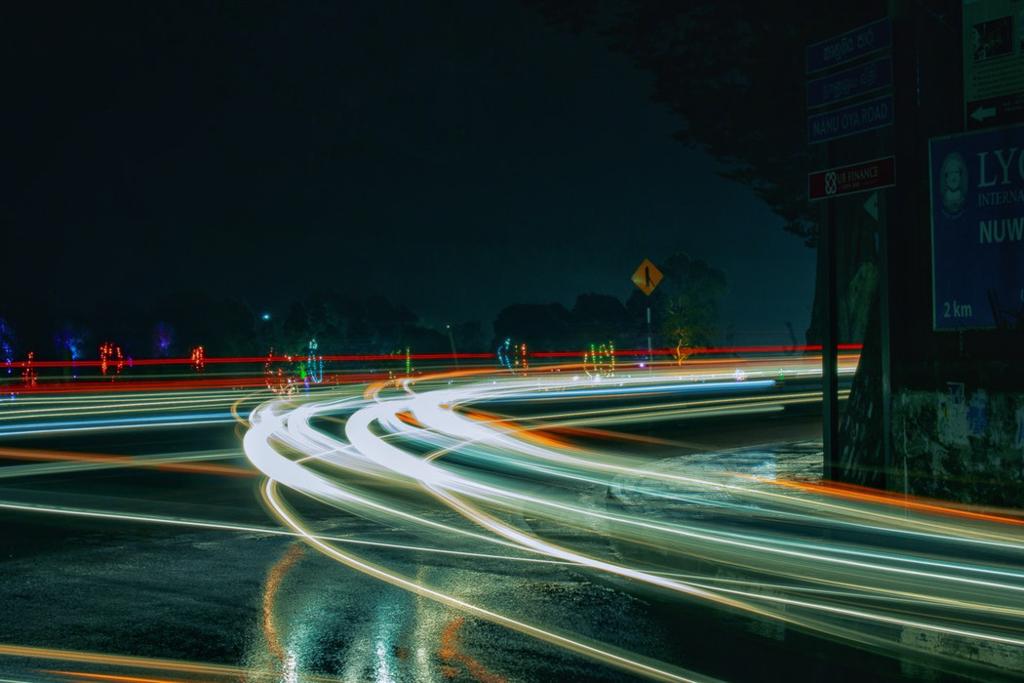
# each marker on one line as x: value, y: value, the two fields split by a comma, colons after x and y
x: 265, y: 316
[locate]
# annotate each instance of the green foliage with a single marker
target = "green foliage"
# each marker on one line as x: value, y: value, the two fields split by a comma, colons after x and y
x: 684, y: 313
x: 686, y: 308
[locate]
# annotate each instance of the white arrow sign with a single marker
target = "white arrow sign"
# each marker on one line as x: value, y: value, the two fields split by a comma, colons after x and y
x: 871, y: 205
x: 982, y: 113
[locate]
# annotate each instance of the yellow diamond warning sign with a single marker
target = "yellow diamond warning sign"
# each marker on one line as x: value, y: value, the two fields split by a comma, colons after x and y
x: 647, y: 277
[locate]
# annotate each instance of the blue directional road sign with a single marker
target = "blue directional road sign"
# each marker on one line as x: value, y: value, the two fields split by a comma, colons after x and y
x: 850, y: 45
x: 848, y: 83
x: 977, y: 198
x: 856, y: 118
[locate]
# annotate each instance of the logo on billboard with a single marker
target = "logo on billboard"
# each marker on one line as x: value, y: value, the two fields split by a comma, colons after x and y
x: 830, y: 182
x: 953, y: 181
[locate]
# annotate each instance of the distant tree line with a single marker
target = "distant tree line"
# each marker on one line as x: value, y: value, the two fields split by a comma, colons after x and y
x: 684, y: 310
x: 226, y: 326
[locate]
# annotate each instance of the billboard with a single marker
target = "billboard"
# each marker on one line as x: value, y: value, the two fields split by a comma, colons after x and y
x: 993, y: 43
x: 977, y: 204
x: 842, y: 180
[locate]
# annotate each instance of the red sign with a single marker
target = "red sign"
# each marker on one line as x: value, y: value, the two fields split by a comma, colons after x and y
x: 842, y: 180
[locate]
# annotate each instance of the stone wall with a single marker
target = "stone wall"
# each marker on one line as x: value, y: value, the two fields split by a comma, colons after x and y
x: 964, y: 444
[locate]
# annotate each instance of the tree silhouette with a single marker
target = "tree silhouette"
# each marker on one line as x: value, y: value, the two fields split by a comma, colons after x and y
x: 540, y: 326
x: 686, y: 309
x: 598, y: 318
x: 733, y: 71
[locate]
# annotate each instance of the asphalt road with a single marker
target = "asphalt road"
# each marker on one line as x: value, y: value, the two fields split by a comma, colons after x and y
x: 162, y: 549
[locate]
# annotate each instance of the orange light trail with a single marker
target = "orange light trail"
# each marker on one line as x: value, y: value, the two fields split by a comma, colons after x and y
x: 917, y: 503
x: 111, y: 677
x: 274, y: 578
x: 536, y: 436
x: 205, y: 670
x: 123, y: 461
x: 127, y: 661
x: 450, y: 651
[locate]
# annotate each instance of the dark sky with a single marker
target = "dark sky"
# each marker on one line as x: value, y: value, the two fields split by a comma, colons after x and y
x: 455, y: 157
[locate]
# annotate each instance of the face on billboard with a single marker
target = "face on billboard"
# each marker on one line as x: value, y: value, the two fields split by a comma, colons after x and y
x: 954, y: 184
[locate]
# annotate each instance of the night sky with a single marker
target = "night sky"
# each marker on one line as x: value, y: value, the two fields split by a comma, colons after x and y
x: 456, y: 158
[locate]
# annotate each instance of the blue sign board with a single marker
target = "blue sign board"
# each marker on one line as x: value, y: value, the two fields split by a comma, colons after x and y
x: 849, y: 46
x: 855, y: 118
x: 977, y: 198
x: 848, y: 83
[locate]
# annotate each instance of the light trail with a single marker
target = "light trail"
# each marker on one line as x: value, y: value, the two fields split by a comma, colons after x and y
x: 602, y: 653
x: 211, y: 525
x: 72, y: 461
x: 833, y: 588
x: 270, y: 588
x: 239, y: 373
x: 863, y: 494
x: 460, y: 459
x: 79, y: 675
x: 103, y: 659
x: 111, y: 424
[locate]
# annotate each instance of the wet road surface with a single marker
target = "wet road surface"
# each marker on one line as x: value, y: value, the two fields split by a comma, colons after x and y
x: 171, y: 574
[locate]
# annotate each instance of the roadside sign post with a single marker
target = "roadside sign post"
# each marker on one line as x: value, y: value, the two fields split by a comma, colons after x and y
x: 647, y: 277
x: 650, y: 349
x: 829, y: 346
x: 846, y: 96
x: 865, y: 176
x: 851, y: 179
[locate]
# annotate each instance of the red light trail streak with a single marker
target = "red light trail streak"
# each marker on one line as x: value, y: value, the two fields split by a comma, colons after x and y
x: 382, y: 357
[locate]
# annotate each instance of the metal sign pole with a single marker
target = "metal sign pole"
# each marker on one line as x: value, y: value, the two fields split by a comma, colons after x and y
x: 829, y: 374
x: 646, y: 277
x: 826, y: 124
x: 650, y: 350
